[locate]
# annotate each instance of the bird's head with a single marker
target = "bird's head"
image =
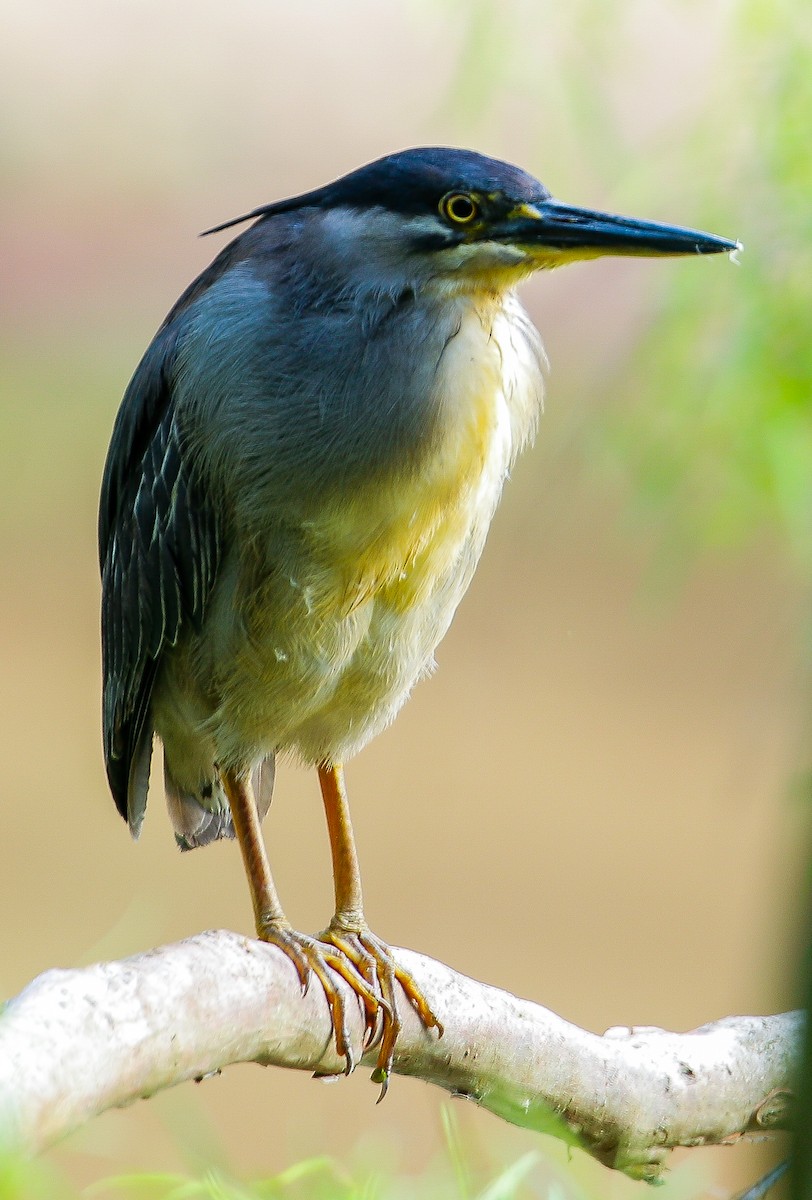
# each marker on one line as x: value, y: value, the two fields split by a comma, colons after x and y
x: 465, y: 221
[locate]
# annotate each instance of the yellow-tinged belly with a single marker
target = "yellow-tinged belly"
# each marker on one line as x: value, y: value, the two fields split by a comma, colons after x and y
x: 395, y: 538
x: 340, y: 634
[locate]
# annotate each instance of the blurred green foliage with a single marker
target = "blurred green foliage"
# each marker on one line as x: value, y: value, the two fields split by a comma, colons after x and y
x: 459, y: 1173
x: 710, y: 420
x: 24, y: 1180
x: 718, y: 431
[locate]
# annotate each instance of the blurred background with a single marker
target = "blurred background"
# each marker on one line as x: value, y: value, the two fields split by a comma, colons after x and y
x: 600, y: 800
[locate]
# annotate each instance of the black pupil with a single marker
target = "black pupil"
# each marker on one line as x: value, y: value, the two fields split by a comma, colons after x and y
x: 461, y: 208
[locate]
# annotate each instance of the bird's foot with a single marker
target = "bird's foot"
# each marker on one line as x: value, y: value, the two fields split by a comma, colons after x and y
x: 376, y: 963
x: 321, y: 957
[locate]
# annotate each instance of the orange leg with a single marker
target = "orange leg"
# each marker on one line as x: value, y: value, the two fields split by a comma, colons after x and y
x: 349, y: 932
x: 310, y: 956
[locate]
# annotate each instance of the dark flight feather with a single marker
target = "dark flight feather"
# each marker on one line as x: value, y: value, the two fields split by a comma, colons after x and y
x: 159, y: 550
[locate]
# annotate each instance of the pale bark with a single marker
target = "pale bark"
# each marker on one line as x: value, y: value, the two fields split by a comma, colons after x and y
x: 75, y: 1043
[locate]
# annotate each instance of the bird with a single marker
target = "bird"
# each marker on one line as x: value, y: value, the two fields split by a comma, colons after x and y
x: 298, y: 488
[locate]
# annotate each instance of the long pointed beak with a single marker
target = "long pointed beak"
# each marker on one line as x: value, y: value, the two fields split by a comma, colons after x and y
x: 572, y: 233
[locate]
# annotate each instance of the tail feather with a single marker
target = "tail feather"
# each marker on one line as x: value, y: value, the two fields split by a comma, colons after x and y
x: 202, y: 817
x: 262, y: 780
x: 197, y: 818
x: 138, y: 782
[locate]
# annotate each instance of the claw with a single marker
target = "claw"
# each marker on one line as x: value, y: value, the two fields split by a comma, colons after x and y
x: 366, y: 963
x: 382, y: 1077
x: 313, y: 957
x: 369, y: 1036
x: 418, y: 1001
x: 373, y: 959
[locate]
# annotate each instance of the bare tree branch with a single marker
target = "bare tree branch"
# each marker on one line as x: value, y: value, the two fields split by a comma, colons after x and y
x: 75, y: 1043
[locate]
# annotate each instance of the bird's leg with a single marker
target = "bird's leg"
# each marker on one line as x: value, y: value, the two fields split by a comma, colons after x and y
x: 309, y: 955
x: 349, y: 932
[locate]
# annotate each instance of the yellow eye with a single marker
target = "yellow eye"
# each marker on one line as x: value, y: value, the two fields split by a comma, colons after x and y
x: 459, y: 208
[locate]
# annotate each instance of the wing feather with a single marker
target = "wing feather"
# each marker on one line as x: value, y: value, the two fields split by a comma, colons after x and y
x: 159, y: 549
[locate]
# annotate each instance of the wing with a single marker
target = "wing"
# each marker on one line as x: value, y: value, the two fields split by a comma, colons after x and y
x: 159, y: 549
